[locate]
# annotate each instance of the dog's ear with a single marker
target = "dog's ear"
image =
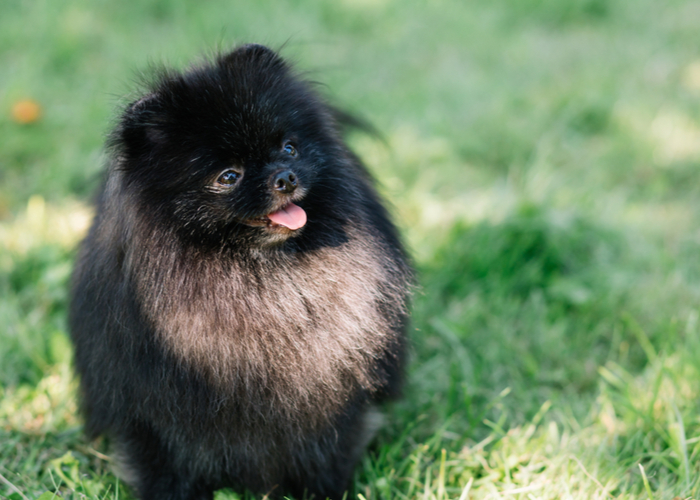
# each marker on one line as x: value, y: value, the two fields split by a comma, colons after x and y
x: 142, y: 126
x: 252, y: 54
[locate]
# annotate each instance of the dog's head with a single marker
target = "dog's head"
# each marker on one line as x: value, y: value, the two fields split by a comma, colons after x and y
x: 238, y: 149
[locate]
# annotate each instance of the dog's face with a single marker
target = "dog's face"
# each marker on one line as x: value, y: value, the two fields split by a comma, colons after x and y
x: 238, y: 150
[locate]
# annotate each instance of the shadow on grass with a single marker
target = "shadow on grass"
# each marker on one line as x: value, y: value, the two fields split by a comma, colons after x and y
x: 516, y: 313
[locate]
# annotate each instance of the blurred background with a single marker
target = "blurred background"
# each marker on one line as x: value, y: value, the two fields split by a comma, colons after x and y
x: 542, y: 158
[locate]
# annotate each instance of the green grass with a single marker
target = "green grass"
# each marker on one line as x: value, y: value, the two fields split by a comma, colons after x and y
x: 542, y: 158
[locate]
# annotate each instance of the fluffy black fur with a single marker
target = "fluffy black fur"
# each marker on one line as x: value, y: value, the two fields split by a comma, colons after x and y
x: 214, y: 347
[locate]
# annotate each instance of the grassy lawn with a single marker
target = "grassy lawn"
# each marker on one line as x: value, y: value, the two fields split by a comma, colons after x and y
x: 543, y: 160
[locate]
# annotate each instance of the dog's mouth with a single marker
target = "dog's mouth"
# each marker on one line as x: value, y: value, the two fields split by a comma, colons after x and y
x: 290, y: 217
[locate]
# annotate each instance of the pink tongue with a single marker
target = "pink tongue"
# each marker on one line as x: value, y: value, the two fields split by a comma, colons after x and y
x: 291, y: 216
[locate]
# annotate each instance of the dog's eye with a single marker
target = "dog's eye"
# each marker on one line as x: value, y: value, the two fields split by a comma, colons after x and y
x: 290, y: 149
x: 228, y: 177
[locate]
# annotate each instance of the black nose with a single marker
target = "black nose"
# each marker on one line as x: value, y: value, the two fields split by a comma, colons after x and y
x: 285, y: 182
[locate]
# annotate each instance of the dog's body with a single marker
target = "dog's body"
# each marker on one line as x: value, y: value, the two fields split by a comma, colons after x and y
x: 226, y: 336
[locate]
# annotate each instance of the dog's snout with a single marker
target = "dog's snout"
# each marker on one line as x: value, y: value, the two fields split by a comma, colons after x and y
x: 285, y: 182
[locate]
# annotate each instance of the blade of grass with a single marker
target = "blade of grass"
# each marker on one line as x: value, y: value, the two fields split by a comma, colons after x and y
x: 647, y: 487
x: 465, y: 491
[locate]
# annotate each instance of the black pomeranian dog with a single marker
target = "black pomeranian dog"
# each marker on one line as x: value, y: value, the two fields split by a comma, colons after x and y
x: 239, y: 305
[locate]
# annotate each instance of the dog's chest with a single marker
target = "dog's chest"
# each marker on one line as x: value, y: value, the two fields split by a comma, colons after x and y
x: 294, y: 335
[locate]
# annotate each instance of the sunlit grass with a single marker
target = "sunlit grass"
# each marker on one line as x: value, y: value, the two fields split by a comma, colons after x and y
x: 39, y: 224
